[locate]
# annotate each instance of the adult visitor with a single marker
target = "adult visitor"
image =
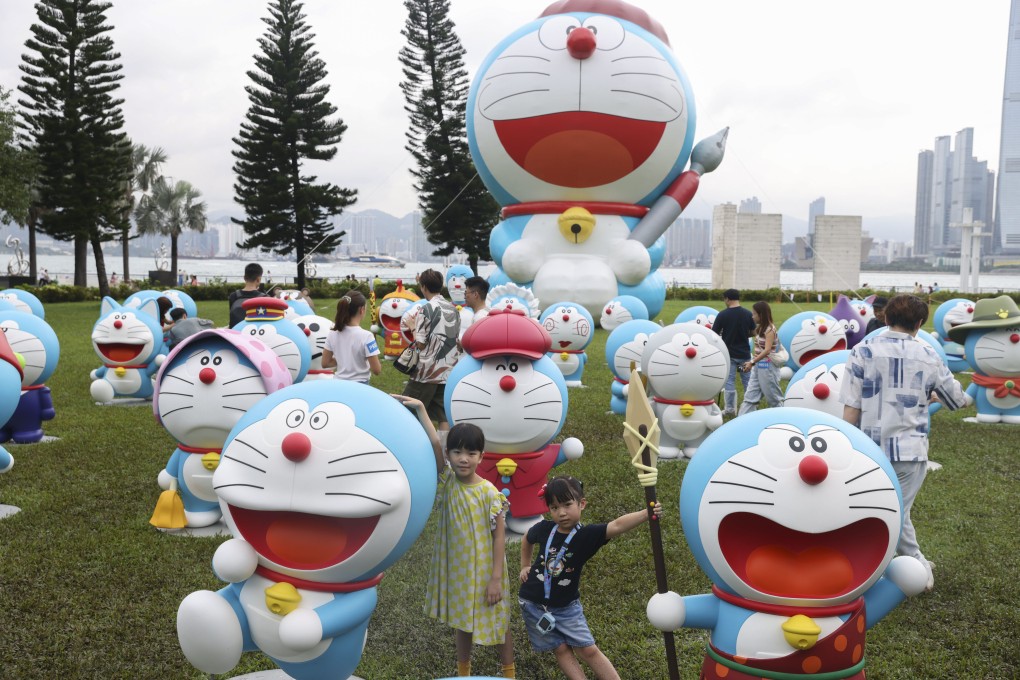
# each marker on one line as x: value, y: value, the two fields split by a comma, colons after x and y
x: 351, y: 349
x: 185, y: 326
x: 734, y: 325
x: 763, y: 366
x: 878, y: 321
x: 252, y: 283
x: 475, y: 290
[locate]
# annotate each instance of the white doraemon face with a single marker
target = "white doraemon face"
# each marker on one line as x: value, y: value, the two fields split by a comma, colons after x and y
x: 706, y: 320
x: 315, y: 328
x: 31, y: 348
x: 997, y: 352
x: 960, y: 313
x: 280, y: 344
x: 391, y: 310
x: 818, y: 390
x: 629, y: 353
x: 314, y: 494
x: 204, y: 393
x: 456, y: 288
x: 778, y: 520
x: 568, y: 328
x: 817, y: 335
x: 614, y: 314
x: 518, y: 407
x: 692, y: 363
x: 17, y: 302
x: 122, y: 339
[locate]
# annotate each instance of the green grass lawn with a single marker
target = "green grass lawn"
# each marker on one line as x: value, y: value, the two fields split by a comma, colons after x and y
x: 89, y: 590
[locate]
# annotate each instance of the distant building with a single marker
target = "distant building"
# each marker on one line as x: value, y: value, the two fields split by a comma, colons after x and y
x: 923, y: 201
x: 751, y: 206
x: 745, y: 248
x: 837, y: 249
x: 815, y: 208
x: 689, y: 243
x: 1006, y: 231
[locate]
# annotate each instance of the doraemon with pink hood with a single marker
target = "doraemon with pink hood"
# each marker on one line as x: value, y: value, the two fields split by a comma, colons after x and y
x: 571, y: 328
x: 580, y: 124
x: 323, y: 486
x: 129, y: 341
x: 949, y: 315
x: 209, y: 381
x: 507, y: 386
x: 624, y: 347
x: 801, y: 565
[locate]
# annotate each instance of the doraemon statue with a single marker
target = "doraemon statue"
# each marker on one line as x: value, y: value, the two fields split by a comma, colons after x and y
x: 24, y: 301
x: 10, y: 392
x: 129, y: 341
x: 817, y: 383
x: 510, y: 296
x: 207, y: 383
x: 409, y: 321
x: 391, y: 309
x: 855, y: 325
x: 315, y: 328
x: 571, y: 328
x: 621, y: 309
x: 507, y: 386
x: 624, y: 347
x: 264, y: 320
x: 949, y: 315
x: 323, y: 485
x: 806, y: 335
x: 865, y: 310
x: 576, y: 151
x: 31, y: 337
x: 801, y: 566
x: 699, y: 314
x: 455, y: 278
x: 992, y: 345
x: 686, y: 365
x: 178, y: 298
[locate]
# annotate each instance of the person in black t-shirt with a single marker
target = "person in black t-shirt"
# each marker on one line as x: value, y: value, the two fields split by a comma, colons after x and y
x: 252, y: 281
x: 734, y: 325
x: 549, y: 597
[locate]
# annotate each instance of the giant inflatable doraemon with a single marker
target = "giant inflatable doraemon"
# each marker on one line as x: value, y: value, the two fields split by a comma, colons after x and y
x: 31, y: 337
x: 624, y: 347
x: 949, y: 315
x: 571, y: 329
x: 807, y: 335
x: 992, y: 345
x: 576, y: 151
x: 817, y: 383
x: 207, y: 383
x: 507, y: 386
x: 129, y: 341
x: 323, y: 485
x: 264, y: 320
x: 801, y: 566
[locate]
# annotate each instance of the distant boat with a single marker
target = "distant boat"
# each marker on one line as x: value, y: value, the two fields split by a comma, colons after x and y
x: 376, y: 261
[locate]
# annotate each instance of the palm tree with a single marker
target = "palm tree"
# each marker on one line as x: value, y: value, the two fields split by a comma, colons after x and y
x: 169, y: 210
x: 145, y: 170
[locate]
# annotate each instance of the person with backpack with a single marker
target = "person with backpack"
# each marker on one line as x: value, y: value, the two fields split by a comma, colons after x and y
x: 252, y: 283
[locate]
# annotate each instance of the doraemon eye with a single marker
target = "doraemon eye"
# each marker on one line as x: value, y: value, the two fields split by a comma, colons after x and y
x: 318, y: 420
x: 314, y: 328
x: 797, y: 444
x: 295, y: 418
x: 853, y: 326
x: 553, y: 33
x: 697, y: 340
x: 701, y: 319
x: 609, y: 32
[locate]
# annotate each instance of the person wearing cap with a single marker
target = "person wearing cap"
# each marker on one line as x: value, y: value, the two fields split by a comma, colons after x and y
x: 890, y: 379
x: 735, y: 325
x: 878, y: 305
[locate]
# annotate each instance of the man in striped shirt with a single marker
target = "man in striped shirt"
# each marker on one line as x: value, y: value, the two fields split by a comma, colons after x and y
x: 889, y: 382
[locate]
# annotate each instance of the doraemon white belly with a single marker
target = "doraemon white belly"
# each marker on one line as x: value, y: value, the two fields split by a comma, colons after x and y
x: 265, y: 625
x: 761, y: 635
x: 681, y: 427
x: 129, y: 383
x: 567, y: 362
x: 198, y: 478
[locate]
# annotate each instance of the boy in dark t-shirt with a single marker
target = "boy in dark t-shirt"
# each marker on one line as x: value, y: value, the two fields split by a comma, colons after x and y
x: 549, y: 598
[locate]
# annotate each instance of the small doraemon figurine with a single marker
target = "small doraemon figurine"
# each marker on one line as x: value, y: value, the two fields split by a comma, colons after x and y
x: 624, y: 347
x: 699, y: 314
x: 10, y: 392
x: 24, y: 301
x: 129, y: 341
x: 949, y: 315
x: 509, y: 387
x: 408, y: 321
x: 621, y: 309
x: 323, y: 485
x: 390, y: 311
x: 571, y: 328
x: 992, y: 345
x: 800, y: 566
x: 816, y: 384
x: 31, y: 337
x: 686, y: 365
x: 865, y: 309
x: 455, y: 278
x: 264, y: 320
x: 806, y: 335
x: 855, y: 324
x: 208, y: 382
x: 510, y: 296
x: 315, y: 328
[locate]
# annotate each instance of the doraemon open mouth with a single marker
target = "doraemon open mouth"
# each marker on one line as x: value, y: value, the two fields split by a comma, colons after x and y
x: 780, y: 561
x: 302, y: 541
x: 577, y: 148
x: 119, y: 352
x: 390, y: 323
x: 564, y: 344
x: 815, y: 353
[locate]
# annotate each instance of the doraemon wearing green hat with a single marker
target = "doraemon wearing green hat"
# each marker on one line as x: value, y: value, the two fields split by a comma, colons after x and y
x: 992, y: 348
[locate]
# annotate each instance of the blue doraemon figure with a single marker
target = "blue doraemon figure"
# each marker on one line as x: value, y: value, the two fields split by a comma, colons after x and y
x: 621, y: 309
x: 31, y: 337
x: 949, y: 315
x: 801, y: 567
x: 571, y: 328
x: 24, y: 301
x: 129, y: 341
x: 699, y: 314
x: 624, y: 347
x: 807, y: 335
x: 455, y: 278
x: 991, y: 343
x: 10, y: 392
x: 265, y: 320
x: 323, y: 485
x: 816, y: 384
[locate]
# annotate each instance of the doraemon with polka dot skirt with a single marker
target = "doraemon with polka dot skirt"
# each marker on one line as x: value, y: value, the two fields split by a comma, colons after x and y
x: 624, y: 347
x: 794, y: 516
x: 686, y: 365
x: 264, y: 320
x: 129, y: 342
x: 507, y: 386
x: 571, y: 329
x: 817, y: 383
x: 31, y: 337
x: 456, y: 275
x: 323, y: 486
x: 209, y: 381
x: 315, y: 328
x: 699, y: 314
x: 949, y: 315
x: 388, y: 315
x: 807, y: 335
x: 11, y: 374
x: 621, y: 309
x: 24, y: 301
x: 586, y: 154
x: 855, y: 327
x: 992, y: 345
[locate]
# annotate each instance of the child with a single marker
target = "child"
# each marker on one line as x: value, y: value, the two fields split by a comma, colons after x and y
x: 468, y: 582
x: 549, y: 598
x: 349, y: 347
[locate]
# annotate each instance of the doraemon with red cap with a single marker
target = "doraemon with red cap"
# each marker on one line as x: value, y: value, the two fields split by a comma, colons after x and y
x: 570, y: 328
x: 265, y: 320
x: 774, y: 511
x: 586, y: 153
x: 507, y: 386
x: 10, y: 392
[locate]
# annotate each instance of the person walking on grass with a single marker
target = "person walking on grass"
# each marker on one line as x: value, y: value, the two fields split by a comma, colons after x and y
x: 890, y: 379
x: 734, y: 325
x: 349, y: 348
x: 549, y: 597
x: 252, y: 283
x: 763, y: 366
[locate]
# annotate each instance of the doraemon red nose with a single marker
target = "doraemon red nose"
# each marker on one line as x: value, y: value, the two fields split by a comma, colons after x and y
x: 581, y: 43
x: 823, y: 329
x: 1015, y: 338
x: 118, y: 324
x: 813, y: 470
x: 821, y: 391
x: 207, y: 376
x: 691, y: 352
x: 296, y: 447
x: 566, y: 317
x: 507, y: 383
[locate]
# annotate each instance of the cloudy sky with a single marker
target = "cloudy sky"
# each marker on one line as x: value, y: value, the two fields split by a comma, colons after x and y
x: 824, y: 98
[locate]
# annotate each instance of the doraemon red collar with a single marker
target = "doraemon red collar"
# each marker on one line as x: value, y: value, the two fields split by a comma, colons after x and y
x: 506, y: 331
x: 345, y: 587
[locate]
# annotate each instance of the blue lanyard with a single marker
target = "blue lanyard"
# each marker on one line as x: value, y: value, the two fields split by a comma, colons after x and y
x: 547, y: 583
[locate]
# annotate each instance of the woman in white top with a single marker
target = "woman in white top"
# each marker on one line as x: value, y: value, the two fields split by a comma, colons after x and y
x: 349, y: 347
x: 764, y: 380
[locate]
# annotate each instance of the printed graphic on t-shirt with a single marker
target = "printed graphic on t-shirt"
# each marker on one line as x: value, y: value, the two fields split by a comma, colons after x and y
x: 371, y: 347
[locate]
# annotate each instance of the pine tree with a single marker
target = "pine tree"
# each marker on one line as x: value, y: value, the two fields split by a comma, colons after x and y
x: 75, y: 125
x: 288, y: 123
x: 457, y: 211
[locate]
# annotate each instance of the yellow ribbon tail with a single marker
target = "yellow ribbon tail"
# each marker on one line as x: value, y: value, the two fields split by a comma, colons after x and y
x: 169, y: 512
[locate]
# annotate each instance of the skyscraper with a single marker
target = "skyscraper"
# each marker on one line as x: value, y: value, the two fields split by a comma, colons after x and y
x: 923, y: 202
x: 1006, y: 236
x: 751, y: 206
x: 815, y: 208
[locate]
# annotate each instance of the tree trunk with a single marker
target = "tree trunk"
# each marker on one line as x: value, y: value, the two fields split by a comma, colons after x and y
x: 473, y: 263
x: 81, y: 253
x: 173, y: 255
x: 104, y: 280
x: 33, y: 270
x: 126, y: 273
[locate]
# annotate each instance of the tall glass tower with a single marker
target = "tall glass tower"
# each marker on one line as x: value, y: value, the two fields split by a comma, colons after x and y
x: 1007, y: 202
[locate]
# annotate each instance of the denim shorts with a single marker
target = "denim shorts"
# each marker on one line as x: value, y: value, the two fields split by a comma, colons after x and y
x: 571, y: 626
